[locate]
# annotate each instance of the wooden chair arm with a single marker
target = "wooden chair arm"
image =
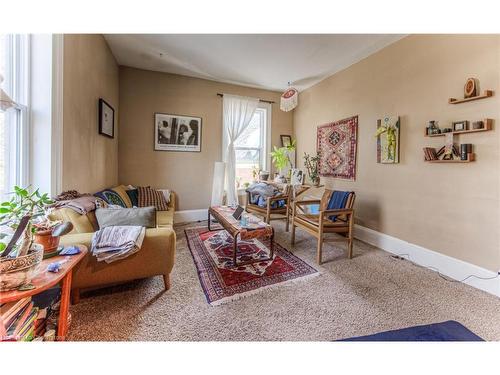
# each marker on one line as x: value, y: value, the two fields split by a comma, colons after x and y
x: 307, y: 202
x: 341, y: 211
x: 277, y: 198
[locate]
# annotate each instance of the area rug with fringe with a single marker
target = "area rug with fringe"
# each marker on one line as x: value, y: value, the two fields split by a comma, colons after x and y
x: 222, y: 282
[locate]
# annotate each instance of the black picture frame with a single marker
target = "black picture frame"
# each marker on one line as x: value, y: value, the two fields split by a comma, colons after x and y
x: 285, y: 138
x: 104, y: 109
x: 174, y: 124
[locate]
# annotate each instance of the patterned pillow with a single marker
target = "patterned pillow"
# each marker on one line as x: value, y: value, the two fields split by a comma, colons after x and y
x: 111, y: 197
x: 134, y: 198
x: 150, y: 197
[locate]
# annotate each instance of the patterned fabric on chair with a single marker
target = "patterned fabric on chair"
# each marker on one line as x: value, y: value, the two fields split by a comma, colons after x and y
x: 336, y: 215
x: 276, y: 205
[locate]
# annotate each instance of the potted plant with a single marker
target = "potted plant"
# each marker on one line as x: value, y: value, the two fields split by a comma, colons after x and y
x: 44, y: 235
x: 311, y: 164
x: 281, y: 159
x: 19, y: 255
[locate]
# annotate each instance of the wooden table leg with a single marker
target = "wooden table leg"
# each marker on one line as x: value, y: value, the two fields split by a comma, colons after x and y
x: 271, y: 245
x: 235, y: 248
x: 62, y: 324
x: 208, y: 219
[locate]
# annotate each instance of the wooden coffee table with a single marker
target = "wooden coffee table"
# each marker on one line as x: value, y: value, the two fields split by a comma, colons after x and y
x: 45, y: 280
x: 224, y: 215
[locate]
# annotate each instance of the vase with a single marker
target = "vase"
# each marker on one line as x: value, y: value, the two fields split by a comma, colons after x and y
x: 15, y: 272
x: 45, y: 238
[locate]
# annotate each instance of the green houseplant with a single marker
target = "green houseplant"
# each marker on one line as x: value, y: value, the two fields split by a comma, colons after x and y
x: 19, y: 255
x: 281, y: 157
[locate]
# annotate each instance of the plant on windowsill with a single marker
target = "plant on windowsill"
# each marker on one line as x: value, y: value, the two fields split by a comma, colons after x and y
x: 19, y: 255
x: 281, y: 159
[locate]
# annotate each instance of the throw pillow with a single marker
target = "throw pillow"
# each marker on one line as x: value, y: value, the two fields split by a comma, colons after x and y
x: 144, y: 217
x: 151, y: 197
x: 133, y: 194
x: 111, y: 197
x: 122, y: 192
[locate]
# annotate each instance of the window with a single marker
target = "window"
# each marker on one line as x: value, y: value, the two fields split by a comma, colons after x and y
x: 251, y: 147
x: 14, y: 140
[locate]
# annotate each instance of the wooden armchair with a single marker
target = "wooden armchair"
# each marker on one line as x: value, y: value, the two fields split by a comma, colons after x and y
x: 320, y: 224
x: 268, y: 211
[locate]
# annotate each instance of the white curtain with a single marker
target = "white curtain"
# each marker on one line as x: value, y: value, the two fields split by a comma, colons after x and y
x: 237, y: 112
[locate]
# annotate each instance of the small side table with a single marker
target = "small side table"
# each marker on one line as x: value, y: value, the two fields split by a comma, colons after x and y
x: 45, y: 280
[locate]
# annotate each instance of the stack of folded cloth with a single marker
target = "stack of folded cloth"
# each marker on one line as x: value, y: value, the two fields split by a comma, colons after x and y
x: 117, y: 242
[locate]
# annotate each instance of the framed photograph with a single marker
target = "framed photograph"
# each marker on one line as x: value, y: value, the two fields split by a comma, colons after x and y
x: 286, y: 140
x: 177, y: 133
x: 297, y: 177
x: 106, y: 119
x: 459, y: 126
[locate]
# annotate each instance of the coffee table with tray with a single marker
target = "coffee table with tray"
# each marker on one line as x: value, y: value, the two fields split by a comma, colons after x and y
x: 255, y: 229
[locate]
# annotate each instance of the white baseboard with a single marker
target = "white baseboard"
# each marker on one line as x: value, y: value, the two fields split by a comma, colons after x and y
x: 187, y: 216
x: 451, y: 267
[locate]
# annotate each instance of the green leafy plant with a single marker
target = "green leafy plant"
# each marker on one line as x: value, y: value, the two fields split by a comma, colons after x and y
x: 281, y: 156
x: 19, y: 214
x: 311, y: 164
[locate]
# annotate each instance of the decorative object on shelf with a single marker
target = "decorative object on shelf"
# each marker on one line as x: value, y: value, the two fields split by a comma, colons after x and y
x: 465, y: 150
x: 446, y: 130
x: 5, y: 101
x: 388, y: 140
x: 471, y: 92
x: 471, y: 88
x: 297, y: 177
x: 478, y: 125
x: 448, y: 147
x: 177, y: 133
x: 459, y: 126
x: 432, y: 128
x: 286, y: 140
x: 289, y: 99
x: 311, y: 164
x: 336, y: 143
x: 19, y: 255
x: 283, y: 159
x: 106, y: 119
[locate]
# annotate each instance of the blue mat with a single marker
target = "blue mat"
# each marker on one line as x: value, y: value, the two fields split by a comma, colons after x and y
x: 445, y: 331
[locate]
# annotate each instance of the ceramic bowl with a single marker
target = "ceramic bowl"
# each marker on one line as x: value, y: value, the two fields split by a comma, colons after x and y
x: 15, y: 272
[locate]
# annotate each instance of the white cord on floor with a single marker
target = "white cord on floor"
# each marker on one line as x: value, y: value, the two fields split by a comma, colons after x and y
x: 408, y: 258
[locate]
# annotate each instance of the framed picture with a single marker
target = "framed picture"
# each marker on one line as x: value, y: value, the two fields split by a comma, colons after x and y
x: 388, y: 129
x: 286, y: 140
x: 297, y: 177
x: 459, y: 126
x: 106, y: 119
x: 177, y: 133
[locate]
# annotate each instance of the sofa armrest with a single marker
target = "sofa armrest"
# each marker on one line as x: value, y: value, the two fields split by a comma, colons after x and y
x: 77, y: 239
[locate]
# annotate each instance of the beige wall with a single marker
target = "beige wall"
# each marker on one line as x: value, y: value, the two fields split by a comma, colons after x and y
x: 142, y: 93
x: 90, y: 160
x: 449, y: 208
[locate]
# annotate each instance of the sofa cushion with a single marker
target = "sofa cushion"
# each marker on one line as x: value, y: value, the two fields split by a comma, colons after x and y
x: 111, y: 197
x: 121, y: 190
x: 151, y: 197
x: 133, y: 194
x: 144, y: 217
x: 81, y: 223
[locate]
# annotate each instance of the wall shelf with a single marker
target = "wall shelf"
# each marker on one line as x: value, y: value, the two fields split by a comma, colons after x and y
x: 471, y: 159
x: 487, y: 94
x: 487, y: 127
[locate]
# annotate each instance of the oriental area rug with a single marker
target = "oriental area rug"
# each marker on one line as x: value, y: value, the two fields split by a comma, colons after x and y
x: 222, y: 282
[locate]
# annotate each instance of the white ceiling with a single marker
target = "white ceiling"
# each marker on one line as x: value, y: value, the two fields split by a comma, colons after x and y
x: 263, y: 61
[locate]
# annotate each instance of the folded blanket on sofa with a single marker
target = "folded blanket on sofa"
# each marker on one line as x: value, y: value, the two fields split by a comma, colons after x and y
x: 117, y: 242
x: 82, y: 205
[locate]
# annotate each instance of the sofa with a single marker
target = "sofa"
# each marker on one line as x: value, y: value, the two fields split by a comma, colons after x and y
x: 156, y: 256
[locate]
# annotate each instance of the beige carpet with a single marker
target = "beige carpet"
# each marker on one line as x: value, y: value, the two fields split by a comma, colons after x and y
x: 368, y: 294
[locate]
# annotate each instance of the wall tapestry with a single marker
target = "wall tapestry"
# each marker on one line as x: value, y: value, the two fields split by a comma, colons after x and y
x: 177, y: 133
x: 336, y: 143
x: 388, y: 140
